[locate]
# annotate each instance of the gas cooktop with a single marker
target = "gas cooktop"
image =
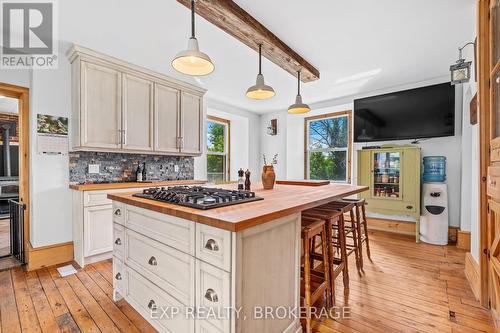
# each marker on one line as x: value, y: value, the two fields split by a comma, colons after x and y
x: 198, y: 196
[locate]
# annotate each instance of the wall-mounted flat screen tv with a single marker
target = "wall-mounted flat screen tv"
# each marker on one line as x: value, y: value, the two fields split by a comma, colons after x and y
x: 426, y: 112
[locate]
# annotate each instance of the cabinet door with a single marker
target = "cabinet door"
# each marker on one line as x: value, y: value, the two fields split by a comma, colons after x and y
x: 101, y: 107
x: 191, y: 123
x: 137, y: 113
x: 98, y: 230
x: 166, y: 124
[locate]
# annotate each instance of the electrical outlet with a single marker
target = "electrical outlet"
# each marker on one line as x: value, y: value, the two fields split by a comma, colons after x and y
x: 176, y: 168
x: 93, y: 168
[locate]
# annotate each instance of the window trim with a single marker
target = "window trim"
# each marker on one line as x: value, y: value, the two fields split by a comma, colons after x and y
x: 347, y: 113
x: 227, y: 144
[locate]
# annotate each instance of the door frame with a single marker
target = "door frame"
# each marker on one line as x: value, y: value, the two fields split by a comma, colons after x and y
x: 22, y: 95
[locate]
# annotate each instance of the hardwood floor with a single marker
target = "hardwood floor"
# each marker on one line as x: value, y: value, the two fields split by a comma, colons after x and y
x: 408, y: 288
x: 4, y: 237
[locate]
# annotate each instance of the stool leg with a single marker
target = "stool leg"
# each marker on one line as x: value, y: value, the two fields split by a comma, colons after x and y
x: 360, y: 237
x: 365, y: 226
x: 343, y: 251
x: 326, y: 265
x: 307, y: 284
x: 313, y: 250
x: 355, y: 239
x: 331, y: 257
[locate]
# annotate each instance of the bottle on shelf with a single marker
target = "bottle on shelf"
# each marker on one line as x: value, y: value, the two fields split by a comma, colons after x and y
x: 144, y: 172
x: 138, y: 173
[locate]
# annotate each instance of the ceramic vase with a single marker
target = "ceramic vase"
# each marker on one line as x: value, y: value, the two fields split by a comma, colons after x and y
x: 268, y: 177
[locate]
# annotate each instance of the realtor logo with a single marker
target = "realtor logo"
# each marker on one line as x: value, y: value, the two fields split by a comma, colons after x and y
x: 28, y: 35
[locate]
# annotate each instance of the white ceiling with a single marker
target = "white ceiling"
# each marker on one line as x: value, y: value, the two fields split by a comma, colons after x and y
x: 358, y: 46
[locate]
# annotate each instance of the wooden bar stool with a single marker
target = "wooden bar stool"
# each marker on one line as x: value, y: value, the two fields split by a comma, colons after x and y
x: 352, y: 229
x: 361, y: 217
x: 335, y: 240
x: 314, y: 284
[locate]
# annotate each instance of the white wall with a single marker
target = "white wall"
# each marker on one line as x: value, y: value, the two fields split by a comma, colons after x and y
x: 293, y: 136
x: 50, y: 220
x: 274, y: 144
x: 245, y: 140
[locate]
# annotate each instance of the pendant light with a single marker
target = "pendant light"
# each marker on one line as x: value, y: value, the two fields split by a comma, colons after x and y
x: 260, y: 90
x: 298, y: 106
x: 192, y: 61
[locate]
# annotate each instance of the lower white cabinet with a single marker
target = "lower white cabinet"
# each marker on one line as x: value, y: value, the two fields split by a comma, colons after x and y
x: 98, y: 231
x: 93, y: 217
x: 160, y: 269
x: 204, y: 273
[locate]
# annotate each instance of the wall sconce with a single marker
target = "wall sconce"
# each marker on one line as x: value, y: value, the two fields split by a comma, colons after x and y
x: 272, y: 129
x: 460, y: 72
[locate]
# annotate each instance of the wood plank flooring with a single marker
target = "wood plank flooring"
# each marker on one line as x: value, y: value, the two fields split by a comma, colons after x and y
x: 407, y: 288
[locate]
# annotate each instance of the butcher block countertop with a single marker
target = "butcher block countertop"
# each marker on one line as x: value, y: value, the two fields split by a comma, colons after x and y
x: 281, y: 201
x: 115, y: 186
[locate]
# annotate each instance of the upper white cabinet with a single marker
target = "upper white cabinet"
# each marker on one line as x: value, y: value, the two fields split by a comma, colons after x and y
x: 120, y: 107
x: 167, y: 119
x: 137, y: 129
x: 191, y: 124
x: 101, y: 105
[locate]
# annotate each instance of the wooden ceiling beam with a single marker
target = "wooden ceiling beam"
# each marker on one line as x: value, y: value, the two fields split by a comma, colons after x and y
x: 231, y: 18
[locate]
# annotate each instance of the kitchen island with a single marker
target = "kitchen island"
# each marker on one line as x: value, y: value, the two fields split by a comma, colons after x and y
x: 230, y: 269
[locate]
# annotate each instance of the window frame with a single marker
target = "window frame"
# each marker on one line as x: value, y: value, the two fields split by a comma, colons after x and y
x: 307, y: 120
x: 227, y: 145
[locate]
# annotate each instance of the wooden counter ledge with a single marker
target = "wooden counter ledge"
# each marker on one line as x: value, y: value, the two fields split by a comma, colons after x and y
x: 115, y: 186
x: 283, y: 200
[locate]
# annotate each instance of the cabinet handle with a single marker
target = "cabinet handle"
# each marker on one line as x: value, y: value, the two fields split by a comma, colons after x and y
x: 118, y: 212
x: 409, y: 207
x: 118, y: 276
x: 120, y: 136
x: 118, y: 241
x: 152, y: 261
x: 211, y: 295
x: 152, y: 304
x: 124, y: 136
x: 212, y: 245
x: 181, y: 141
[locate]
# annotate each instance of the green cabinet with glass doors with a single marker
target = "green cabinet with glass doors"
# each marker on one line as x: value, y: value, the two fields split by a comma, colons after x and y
x: 393, y: 175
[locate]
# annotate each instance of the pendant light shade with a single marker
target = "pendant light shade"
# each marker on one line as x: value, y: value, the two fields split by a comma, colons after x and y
x: 298, y: 107
x: 192, y: 61
x: 260, y: 90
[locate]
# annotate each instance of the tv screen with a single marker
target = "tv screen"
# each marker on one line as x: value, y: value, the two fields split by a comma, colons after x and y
x: 426, y: 112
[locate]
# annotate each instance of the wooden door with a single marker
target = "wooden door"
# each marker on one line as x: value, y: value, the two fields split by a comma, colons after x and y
x: 167, y: 119
x: 493, y: 179
x: 101, y: 107
x: 191, y: 124
x: 137, y: 113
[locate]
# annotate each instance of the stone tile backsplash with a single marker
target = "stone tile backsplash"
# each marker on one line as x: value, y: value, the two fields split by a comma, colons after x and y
x: 117, y: 167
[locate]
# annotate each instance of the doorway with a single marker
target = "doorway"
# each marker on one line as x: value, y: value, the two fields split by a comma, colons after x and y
x: 14, y: 173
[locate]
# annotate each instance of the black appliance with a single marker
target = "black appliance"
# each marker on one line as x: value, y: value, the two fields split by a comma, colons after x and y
x: 198, y: 196
x: 425, y: 112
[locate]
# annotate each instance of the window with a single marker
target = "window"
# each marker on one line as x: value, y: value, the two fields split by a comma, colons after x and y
x: 328, y: 147
x: 218, y: 131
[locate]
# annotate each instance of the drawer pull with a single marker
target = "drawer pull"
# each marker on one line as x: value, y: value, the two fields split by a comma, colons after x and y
x: 118, y: 241
x: 409, y: 207
x: 152, y: 305
x: 211, y: 295
x: 212, y: 245
x: 118, y: 212
x: 152, y: 261
x: 118, y: 276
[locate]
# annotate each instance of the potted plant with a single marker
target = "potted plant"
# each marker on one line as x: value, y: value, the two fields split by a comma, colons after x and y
x: 268, y: 175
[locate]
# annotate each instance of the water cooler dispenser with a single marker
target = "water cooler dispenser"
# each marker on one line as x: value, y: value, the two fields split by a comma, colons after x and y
x: 434, y: 219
